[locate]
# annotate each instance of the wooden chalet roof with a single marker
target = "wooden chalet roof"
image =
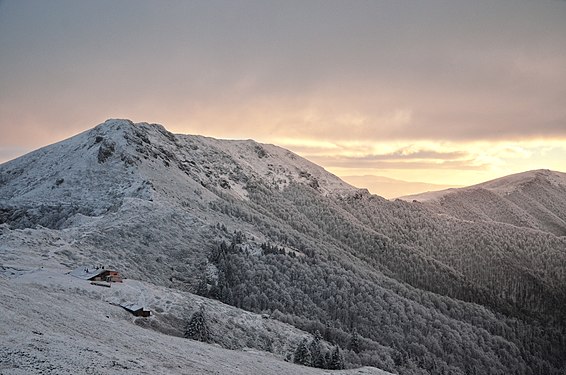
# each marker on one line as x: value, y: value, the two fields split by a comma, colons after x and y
x: 86, y: 273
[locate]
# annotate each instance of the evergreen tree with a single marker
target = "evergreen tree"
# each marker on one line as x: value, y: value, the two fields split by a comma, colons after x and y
x: 197, y: 328
x: 327, y: 360
x: 317, y: 357
x: 214, y: 291
x: 202, y: 287
x: 302, y: 354
x: 337, y: 361
x: 354, y: 344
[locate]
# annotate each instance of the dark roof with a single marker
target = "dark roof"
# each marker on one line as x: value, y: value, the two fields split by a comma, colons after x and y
x: 88, y: 274
x: 131, y: 306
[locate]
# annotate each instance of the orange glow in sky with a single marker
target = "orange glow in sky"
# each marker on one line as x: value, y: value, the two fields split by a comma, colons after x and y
x: 447, y: 93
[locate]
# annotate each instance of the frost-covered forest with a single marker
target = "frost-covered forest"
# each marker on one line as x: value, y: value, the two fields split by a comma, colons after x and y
x: 402, y: 286
x: 411, y: 310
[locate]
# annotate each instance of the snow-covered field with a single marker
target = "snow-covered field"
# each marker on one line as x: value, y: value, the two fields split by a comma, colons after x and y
x: 53, y: 323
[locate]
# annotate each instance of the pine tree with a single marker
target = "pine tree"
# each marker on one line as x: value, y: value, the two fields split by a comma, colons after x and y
x: 317, y: 357
x: 327, y: 360
x: 354, y: 344
x: 197, y: 328
x: 202, y: 287
x: 302, y: 354
x: 214, y: 291
x: 337, y: 362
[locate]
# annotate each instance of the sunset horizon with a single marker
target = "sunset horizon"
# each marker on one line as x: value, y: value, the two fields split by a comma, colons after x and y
x: 449, y: 94
x: 430, y: 178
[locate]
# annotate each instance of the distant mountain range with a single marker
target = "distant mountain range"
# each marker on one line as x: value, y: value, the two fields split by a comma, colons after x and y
x: 470, y: 281
x: 391, y: 188
x: 533, y: 199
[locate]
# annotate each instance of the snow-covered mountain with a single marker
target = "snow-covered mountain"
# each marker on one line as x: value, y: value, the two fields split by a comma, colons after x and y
x: 118, y: 160
x: 256, y: 229
x: 534, y: 199
x: 123, y: 187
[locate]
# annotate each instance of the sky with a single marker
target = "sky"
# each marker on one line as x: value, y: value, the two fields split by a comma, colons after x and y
x: 444, y: 92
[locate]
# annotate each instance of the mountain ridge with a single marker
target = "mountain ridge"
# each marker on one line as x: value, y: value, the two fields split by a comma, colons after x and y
x: 529, y: 199
x: 122, y: 140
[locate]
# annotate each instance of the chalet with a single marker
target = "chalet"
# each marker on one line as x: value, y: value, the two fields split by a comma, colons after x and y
x: 97, y: 274
x: 108, y: 276
x: 135, y: 309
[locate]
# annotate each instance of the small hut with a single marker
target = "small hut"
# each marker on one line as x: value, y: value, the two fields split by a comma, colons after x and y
x: 136, y: 309
x: 108, y: 276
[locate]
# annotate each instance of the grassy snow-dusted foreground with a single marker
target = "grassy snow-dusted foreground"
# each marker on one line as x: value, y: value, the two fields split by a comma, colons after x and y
x: 56, y: 324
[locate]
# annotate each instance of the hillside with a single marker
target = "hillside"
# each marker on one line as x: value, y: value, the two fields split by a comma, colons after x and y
x: 262, y: 230
x: 534, y: 199
x: 70, y: 328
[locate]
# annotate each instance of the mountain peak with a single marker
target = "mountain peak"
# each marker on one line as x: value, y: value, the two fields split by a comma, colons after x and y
x: 510, y: 183
x: 121, y: 159
x: 117, y: 122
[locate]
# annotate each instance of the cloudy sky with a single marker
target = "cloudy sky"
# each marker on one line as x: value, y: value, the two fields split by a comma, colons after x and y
x: 450, y: 92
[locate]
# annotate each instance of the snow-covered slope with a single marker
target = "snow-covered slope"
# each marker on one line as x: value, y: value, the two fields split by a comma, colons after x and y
x: 534, y: 199
x: 94, y: 172
x: 101, y: 161
x: 72, y: 327
x: 129, y: 194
